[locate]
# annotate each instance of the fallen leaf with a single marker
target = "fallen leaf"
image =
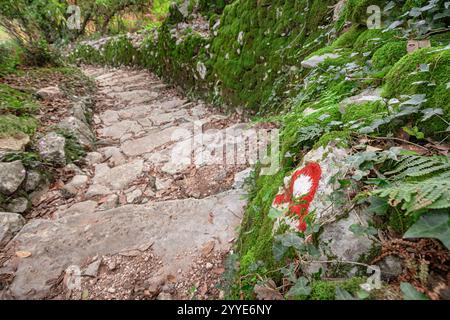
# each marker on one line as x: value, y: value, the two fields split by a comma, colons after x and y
x: 23, y: 254
x: 171, y: 278
x: 219, y: 271
x: 267, y: 291
x: 208, y: 248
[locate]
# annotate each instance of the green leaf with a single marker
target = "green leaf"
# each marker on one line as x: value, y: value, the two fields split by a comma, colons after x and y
x: 301, y: 288
x: 433, y: 225
x: 378, y: 206
x: 342, y: 294
x: 410, y: 293
x: 278, y: 250
x: 360, y: 230
x: 430, y: 112
x: 291, y: 239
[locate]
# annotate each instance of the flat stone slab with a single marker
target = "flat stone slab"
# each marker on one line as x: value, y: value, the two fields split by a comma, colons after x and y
x: 172, y: 228
x: 120, y: 177
x: 149, y: 142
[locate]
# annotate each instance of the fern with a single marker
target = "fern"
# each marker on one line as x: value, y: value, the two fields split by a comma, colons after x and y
x: 417, y: 166
x: 431, y: 191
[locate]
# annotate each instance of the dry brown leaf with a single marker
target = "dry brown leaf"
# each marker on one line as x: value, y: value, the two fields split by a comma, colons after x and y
x: 267, y: 291
x: 23, y: 254
x: 208, y: 247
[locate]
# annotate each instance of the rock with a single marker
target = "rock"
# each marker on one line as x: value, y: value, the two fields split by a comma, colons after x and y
x: 201, y: 69
x: 240, y: 177
x: 155, y: 284
x: 79, y: 111
x: 10, y: 225
x: 33, y: 180
x: 97, y: 190
x: 164, y: 296
x: 77, y: 183
x: 118, y: 178
x: 80, y: 130
x: 209, y: 266
x: 12, y: 175
x: 335, y: 240
x: 93, y: 158
x: 73, y: 168
x: 314, y: 61
x: 114, y: 156
x: 134, y: 196
x: 391, y: 267
x: 50, y: 93
x: 58, y: 243
x: 368, y: 95
x: 18, y: 205
x: 51, y: 148
x: 14, y: 143
x: 162, y: 184
x: 111, y: 202
x: 92, y: 269
x: 85, y: 207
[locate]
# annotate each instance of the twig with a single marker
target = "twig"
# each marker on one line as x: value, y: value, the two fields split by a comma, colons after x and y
x: 400, y: 140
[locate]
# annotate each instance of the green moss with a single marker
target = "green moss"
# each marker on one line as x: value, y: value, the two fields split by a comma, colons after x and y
x: 365, y: 112
x: 348, y: 38
x: 326, y: 290
x: 406, y: 78
x: 356, y: 10
x: 340, y: 138
x: 10, y: 57
x: 11, y: 124
x: 372, y: 39
x: 15, y: 101
x: 389, y: 54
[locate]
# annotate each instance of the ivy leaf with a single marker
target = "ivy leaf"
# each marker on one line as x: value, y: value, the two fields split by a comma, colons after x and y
x: 415, y: 100
x: 379, y: 206
x: 430, y: 112
x: 342, y: 294
x: 301, y: 288
x: 278, y: 250
x: 290, y: 239
x: 360, y: 230
x: 289, y: 272
x: 432, y: 225
x: 410, y: 293
x: 393, y: 25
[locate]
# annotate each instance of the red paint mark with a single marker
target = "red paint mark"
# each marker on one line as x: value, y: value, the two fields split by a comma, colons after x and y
x: 300, y: 207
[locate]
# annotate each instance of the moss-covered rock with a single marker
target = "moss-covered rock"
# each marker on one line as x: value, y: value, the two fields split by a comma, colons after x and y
x: 389, y: 54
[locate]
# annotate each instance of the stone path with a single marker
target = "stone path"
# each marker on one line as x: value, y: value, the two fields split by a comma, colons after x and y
x: 140, y: 192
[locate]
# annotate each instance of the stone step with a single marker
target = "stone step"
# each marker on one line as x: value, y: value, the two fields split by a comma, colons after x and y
x: 176, y: 230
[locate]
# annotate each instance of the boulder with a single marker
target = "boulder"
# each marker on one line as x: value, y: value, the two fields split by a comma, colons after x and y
x: 12, y: 175
x: 77, y: 183
x: 10, y: 225
x: 51, y: 148
x: 14, y: 143
x: 33, y: 180
x: 240, y: 177
x: 93, y: 158
x: 336, y: 242
x: 50, y: 93
x: 79, y: 111
x: 79, y: 130
x: 18, y: 205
